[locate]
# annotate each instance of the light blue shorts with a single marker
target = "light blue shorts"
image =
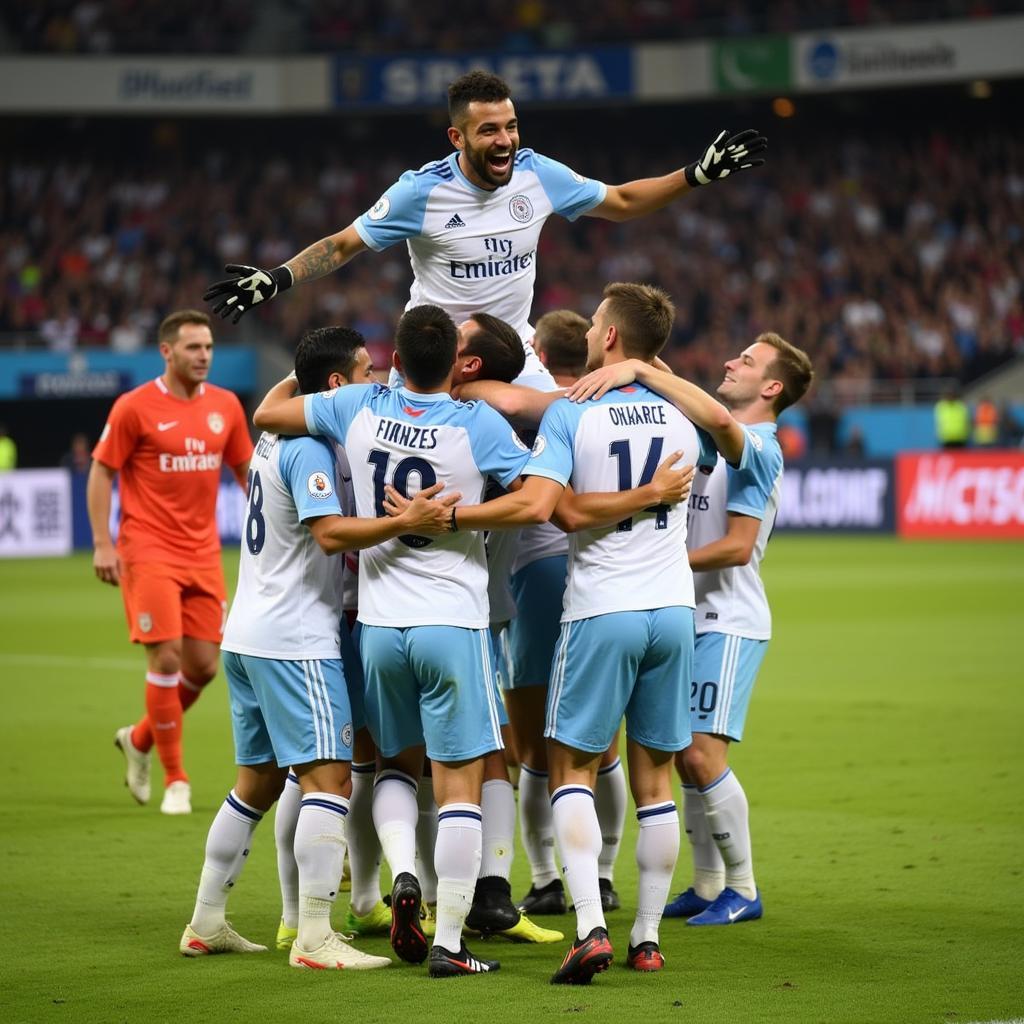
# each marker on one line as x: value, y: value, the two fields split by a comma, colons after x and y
x: 291, y: 712
x: 632, y: 664
x: 538, y: 589
x: 724, y: 670
x: 499, y: 668
x: 432, y: 685
x: 353, y: 669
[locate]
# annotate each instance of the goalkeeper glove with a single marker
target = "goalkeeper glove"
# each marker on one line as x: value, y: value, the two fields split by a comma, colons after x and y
x: 726, y: 154
x: 252, y: 285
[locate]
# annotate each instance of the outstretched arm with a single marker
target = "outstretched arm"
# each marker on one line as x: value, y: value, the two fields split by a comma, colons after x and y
x: 280, y: 412
x: 726, y: 155
x: 515, y: 402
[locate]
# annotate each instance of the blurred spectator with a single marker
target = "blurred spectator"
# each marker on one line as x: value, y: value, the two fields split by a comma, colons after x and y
x: 1011, y: 434
x: 854, y: 446
x: 8, y: 451
x: 792, y: 441
x: 986, y: 423
x: 952, y: 421
x: 78, y: 457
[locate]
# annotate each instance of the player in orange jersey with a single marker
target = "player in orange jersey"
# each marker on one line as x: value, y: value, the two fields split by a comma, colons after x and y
x: 167, y: 440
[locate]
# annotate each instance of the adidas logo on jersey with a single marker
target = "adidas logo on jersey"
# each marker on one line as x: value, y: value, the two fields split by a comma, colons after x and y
x: 455, y: 222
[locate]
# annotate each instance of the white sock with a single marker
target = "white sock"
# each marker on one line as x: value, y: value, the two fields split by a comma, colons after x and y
x: 363, y: 844
x: 426, y: 839
x: 708, y: 866
x: 498, y: 807
x: 610, y: 801
x: 319, y: 852
x: 579, y: 842
x: 536, y: 827
x: 394, y: 817
x: 727, y: 814
x: 286, y: 816
x: 657, y: 848
x: 457, y: 862
x: 227, y: 847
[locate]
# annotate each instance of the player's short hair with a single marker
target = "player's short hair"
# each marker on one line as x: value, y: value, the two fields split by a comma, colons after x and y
x: 475, y: 87
x: 642, y: 315
x: 791, y: 365
x: 562, y: 336
x: 322, y: 351
x: 171, y: 324
x: 499, y: 347
x: 426, y: 341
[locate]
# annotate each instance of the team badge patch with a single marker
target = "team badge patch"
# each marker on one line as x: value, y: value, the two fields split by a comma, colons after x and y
x: 346, y: 734
x: 215, y: 422
x: 755, y: 440
x: 319, y: 486
x: 518, y: 442
x: 145, y: 622
x: 578, y: 178
x: 539, y: 444
x: 521, y: 209
x: 380, y: 209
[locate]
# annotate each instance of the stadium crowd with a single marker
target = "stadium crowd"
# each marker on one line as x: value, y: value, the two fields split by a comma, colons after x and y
x: 190, y: 26
x: 897, y: 260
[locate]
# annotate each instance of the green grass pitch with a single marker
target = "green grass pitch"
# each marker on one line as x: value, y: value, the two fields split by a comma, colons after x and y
x: 884, y: 767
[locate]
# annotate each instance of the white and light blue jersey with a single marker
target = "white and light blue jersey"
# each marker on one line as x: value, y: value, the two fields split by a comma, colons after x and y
x: 474, y: 250
x: 412, y: 441
x: 614, y: 444
x: 733, y: 600
x: 288, y: 601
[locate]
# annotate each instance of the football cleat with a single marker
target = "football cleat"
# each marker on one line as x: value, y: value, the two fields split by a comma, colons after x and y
x: 407, y: 938
x: 645, y: 957
x: 456, y: 965
x: 548, y: 899
x: 177, y: 798
x: 492, y: 910
x: 609, y: 897
x: 377, y: 921
x: 729, y: 907
x: 335, y: 955
x: 136, y: 765
x: 285, y: 936
x: 586, y: 957
x: 224, y: 940
x: 526, y: 931
x: 686, y: 904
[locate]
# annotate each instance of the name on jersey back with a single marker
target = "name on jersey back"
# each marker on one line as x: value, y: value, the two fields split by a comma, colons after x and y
x: 637, y: 415
x: 405, y: 435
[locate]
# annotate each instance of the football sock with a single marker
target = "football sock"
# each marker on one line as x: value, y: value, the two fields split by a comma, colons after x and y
x: 286, y: 816
x: 457, y: 863
x: 163, y: 707
x: 610, y: 802
x: 498, y: 807
x: 657, y: 848
x: 363, y: 844
x: 426, y: 838
x: 536, y: 827
x: 319, y: 852
x: 727, y: 814
x: 708, y: 866
x: 394, y: 817
x: 142, y: 733
x: 227, y: 847
x: 579, y: 841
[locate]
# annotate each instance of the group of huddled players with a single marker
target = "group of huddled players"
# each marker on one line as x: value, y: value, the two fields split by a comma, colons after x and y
x: 527, y: 573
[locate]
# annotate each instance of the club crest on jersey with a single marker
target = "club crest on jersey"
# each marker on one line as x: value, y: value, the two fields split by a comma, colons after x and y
x: 215, y: 422
x: 755, y: 440
x: 380, y: 209
x: 145, y: 622
x: 539, y: 444
x: 346, y: 734
x: 319, y: 485
x: 578, y: 178
x: 518, y: 442
x: 521, y: 209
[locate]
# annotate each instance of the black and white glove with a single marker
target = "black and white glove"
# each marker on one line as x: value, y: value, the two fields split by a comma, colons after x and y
x: 726, y: 154
x: 239, y: 294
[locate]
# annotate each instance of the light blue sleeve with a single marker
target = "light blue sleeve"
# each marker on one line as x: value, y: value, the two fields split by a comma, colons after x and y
x: 398, y: 214
x: 750, y: 484
x: 708, y: 452
x: 570, y: 193
x: 307, y: 466
x: 497, y: 450
x: 553, y: 449
x: 330, y: 413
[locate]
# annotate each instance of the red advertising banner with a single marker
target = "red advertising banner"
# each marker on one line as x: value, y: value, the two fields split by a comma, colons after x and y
x: 960, y: 494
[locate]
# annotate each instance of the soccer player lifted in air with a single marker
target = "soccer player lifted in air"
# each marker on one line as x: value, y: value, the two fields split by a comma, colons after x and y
x: 290, y: 702
x: 732, y: 512
x: 167, y: 441
x: 473, y: 218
